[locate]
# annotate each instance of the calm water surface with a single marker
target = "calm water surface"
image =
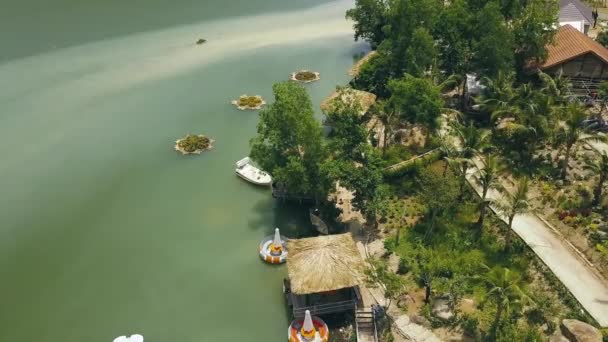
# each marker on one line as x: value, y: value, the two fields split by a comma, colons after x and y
x: 104, y: 230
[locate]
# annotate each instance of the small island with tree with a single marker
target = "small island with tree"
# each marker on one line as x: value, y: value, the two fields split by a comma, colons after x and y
x: 249, y: 102
x: 305, y: 76
x: 193, y: 144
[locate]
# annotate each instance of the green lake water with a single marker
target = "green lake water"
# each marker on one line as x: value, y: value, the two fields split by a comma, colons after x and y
x: 104, y: 229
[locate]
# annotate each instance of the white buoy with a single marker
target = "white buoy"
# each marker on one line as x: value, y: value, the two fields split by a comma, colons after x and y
x: 308, y: 329
x: 277, y: 244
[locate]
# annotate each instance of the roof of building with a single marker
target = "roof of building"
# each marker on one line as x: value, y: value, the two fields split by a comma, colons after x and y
x: 324, y: 263
x: 348, y: 95
x: 575, y: 10
x: 570, y: 43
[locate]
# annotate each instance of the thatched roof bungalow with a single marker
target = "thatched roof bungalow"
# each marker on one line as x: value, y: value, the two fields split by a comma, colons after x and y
x: 324, y: 274
x: 349, y: 96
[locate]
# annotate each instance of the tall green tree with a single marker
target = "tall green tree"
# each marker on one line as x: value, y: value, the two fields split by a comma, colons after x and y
x: 289, y: 141
x: 570, y: 134
x: 348, y: 131
x: 487, y: 177
x: 455, y: 32
x: 404, y: 18
x: 533, y: 29
x: 373, y: 76
x: 363, y: 176
x: 514, y: 203
x: 505, y: 289
x: 599, y: 167
x: 369, y: 17
x: 494, y: 51
x: 439, y: 195
x: 418, y: 100
x: 421, y: 53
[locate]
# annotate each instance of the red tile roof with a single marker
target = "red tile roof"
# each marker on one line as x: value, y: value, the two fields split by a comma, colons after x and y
x: 570, y: 43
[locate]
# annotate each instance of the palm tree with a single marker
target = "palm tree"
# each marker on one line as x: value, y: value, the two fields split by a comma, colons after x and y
x: 570, y: 134
x: 599, y: 167
x: 487, y: 178
x: 557, y: 88
x: 447, y: 152
x: 515, y: 203
x: 505, y: 289
x: 471, y: 141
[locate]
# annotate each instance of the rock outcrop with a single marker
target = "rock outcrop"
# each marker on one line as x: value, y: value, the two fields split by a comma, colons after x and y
x: 577, y: 331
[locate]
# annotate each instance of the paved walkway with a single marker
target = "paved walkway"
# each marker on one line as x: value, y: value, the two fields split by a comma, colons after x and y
x: 563, y: 260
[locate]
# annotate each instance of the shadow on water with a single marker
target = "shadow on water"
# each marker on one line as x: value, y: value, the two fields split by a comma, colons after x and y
x: 291, y: 218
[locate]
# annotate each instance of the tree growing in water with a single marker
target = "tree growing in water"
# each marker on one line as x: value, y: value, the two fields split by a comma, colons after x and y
x: 289, y: 142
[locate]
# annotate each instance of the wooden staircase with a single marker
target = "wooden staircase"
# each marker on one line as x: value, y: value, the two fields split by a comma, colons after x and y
x: 365, y: 324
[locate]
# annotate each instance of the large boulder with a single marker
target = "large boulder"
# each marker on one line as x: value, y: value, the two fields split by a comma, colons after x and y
x: 441, y: 308
x: 558, y: 337
x: 577, y: 331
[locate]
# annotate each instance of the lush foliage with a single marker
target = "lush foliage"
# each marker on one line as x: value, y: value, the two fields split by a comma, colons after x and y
x: 289, y: 142
x: 192, y: 143
x: 249, y: 101
x: 459, y: 37
x: 417, y: 100
x: 305, y: 75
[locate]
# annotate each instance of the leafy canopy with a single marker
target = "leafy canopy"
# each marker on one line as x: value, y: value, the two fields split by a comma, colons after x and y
x: 289, y: 142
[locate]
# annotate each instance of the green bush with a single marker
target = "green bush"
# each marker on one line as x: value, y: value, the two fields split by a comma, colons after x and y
x: 404, y: 265
x: 470, y: 326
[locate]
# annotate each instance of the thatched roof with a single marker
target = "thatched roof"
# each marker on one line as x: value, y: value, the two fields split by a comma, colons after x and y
x: 354, y: 71
x: 348, y: 95
x: 324, y: 263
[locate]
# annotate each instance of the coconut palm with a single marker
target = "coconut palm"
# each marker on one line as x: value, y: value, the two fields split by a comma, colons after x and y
x: 487, y: 177
x: 557, y: 88
x: 447, y: 152
x: 570, y: 134
x: 497, y: 93
x: 514, y: 203
x: 470, y: 141
x: 600, y: 167
x: 505, y: 289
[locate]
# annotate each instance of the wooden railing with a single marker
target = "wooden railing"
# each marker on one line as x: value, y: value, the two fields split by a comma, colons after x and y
x: 321, y: 309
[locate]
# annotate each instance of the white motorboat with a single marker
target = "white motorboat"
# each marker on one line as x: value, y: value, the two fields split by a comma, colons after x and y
x: 132, y: 338
x: 246, y: 170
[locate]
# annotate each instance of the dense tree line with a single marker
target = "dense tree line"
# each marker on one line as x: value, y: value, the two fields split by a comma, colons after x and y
x: 430, y: 37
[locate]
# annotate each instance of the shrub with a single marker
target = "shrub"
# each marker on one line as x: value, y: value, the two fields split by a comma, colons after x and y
x: 404, y: 265
x: 193, y: 143
x: 470, y: 326
x: 249, y: 101
x: 305, y: 75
